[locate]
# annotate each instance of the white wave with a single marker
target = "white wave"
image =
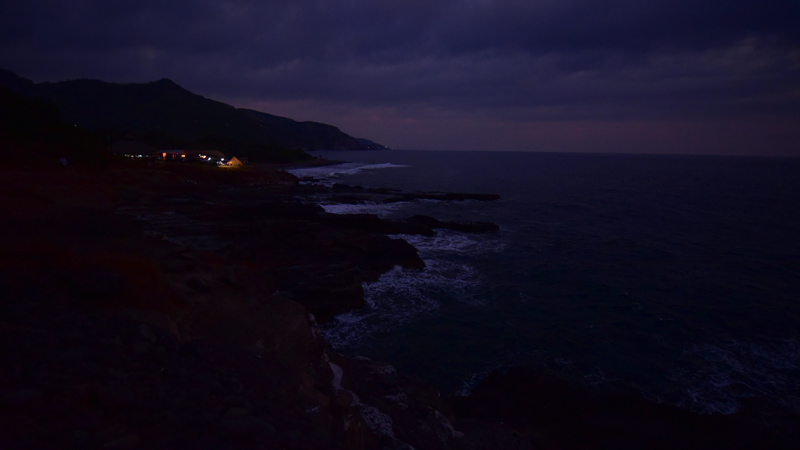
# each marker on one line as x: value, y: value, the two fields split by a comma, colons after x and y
x: 455, y: 242
x: 346, y: 330
x: 400, y: 296
x: 439, y: 277
x: 379, y: 209
x: 327, y: 173
x: 472, y: 381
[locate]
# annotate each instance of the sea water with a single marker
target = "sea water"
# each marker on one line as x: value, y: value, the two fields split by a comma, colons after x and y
x: 673, y: 277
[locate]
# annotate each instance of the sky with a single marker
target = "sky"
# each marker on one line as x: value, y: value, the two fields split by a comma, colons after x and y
x: 641, y: 76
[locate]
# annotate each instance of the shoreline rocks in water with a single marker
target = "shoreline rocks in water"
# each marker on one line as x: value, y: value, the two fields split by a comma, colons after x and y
x: 165, y: 307
x: 162, y: 307
x: 467, y: 227
x: 342, y: 193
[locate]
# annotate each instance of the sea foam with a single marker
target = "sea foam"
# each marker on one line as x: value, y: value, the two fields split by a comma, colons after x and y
x: 447, y: 241
x: 401, y: 296
x: 327, y: 175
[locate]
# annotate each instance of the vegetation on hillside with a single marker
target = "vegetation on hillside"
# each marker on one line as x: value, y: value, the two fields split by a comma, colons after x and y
x: 161, y: 114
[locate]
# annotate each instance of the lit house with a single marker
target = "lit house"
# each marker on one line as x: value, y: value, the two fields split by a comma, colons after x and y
x: 132, y: 149
x: 171, y: 155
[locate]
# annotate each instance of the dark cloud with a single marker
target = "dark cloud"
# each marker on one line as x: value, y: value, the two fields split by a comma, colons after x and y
x: 511, y: 61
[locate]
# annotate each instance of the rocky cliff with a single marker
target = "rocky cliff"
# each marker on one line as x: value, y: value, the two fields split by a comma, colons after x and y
x: 176, y: 307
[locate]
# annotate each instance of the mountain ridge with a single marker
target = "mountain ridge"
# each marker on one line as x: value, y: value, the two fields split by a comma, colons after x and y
x: 162, y: 110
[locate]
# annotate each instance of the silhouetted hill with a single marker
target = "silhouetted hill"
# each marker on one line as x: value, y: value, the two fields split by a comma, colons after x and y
x: 164, y: 111
x: 370, y: 145
x: 31, y: 128
x: 17, y: 84
x: 305, y: 135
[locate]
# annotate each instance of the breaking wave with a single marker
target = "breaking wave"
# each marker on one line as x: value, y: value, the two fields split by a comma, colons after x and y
x: 379, y: 209
x: 447, y: 241
x: 328, y: 175
x: 399, y: 297
x: 402, y: 296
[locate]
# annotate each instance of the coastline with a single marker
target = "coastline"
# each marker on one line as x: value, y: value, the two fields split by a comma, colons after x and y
x: 161, y: 308
x: 166, y: 307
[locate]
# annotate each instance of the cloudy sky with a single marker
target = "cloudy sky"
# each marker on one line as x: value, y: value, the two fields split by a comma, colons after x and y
x: 656, y: 76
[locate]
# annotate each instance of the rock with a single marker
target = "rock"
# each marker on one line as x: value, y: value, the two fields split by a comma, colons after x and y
x: 95, y: 284
x: 112, y: 398
x: 154, y: 324
x: 80, y: 435
x: 373, y: 223
x: 198, y: 284
x: 452, y: 196
x: 237, y: 412
x: 125, y: 442
x: 470, y: 227
x: 21, y: 396
x: 141, y: 348
x: 228, y: 276
x: 150, y: 360
x: 343, y: 400
x: 394, y: 407
x: 173, y: 265
x: 241, y: 426
x: 401, y: 253
x: 146, y: 333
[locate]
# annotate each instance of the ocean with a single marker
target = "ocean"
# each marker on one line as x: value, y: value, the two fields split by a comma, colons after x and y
x: 676, y: 278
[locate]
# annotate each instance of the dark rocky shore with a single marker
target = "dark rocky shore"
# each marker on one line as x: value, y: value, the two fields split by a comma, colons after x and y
x: 171, y: 307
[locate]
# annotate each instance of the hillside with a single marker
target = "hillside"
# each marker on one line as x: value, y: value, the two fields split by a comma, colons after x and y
x: 164, y: 113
